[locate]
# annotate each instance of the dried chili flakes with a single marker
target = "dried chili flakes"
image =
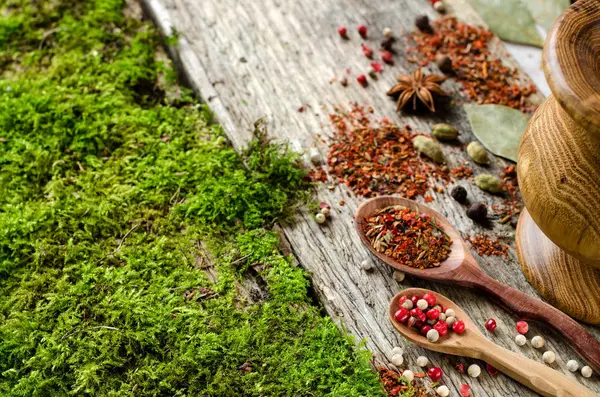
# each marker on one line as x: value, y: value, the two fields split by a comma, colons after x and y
x: 461, y: 172
x: 485, y: 246
x: 511, y: 206
x: 317, y: 174
x: 378, y: 158
x: 396, y: 386
x: 412, y: 239
x: 484, y: 78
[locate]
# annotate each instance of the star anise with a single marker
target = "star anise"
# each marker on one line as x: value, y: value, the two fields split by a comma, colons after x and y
x: 417, y: 85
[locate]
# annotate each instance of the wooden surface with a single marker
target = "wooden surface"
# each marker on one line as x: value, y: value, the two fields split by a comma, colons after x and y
x: 562, y: 280
x: 559, y: 176
x: 572, y: 62
x: 250, y: 59
x: 461, y: 268
x: 471, y: 343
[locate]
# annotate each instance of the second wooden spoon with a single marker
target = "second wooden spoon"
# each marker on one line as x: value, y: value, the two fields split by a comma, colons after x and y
x: 461, y: 268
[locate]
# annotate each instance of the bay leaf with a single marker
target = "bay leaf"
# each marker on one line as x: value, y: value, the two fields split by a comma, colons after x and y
x: 544, y: 12
x: 498, y: 128
x: 511, y: 20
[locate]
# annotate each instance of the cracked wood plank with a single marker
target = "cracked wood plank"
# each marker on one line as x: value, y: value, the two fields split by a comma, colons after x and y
x: 251, y: 59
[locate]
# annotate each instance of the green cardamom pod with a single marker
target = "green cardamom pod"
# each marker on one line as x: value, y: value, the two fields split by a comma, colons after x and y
x: 429, y: 148
x: 444, y: 132
x: 477, y: 152
x: 489, y: 183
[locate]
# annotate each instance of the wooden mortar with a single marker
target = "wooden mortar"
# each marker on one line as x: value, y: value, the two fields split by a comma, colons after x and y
x: 558, y: 237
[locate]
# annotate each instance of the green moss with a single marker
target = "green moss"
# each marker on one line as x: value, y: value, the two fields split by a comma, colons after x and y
x: 108, y: 188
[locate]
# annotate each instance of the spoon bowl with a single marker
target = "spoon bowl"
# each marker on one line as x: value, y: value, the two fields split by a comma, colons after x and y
x: 472, y: 343
x: 461, y: 268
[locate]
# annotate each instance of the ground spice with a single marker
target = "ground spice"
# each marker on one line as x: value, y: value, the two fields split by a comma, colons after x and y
x: 485, y: 246
x: 412, y: 239
x: 510, y: 208
x: 461, y: 172
x: 396, y: 386
x: 484, y: 78
x: 378, y: 158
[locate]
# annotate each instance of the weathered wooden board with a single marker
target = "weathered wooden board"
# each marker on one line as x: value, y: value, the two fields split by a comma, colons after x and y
x: 249, y: 59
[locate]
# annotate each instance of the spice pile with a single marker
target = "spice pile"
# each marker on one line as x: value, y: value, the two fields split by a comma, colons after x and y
x: 464, y: 51
x: 429, y: 318
x: 411, y: 239
x: 396, y: 385
x: 378, y: 159
x: 485, y: 246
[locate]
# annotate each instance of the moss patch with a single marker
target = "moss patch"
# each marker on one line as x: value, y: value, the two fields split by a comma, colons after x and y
x: 108, y: 189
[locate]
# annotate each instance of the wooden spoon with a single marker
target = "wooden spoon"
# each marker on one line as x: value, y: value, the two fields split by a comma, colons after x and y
x: 461, y: 268
x: 472, y: 343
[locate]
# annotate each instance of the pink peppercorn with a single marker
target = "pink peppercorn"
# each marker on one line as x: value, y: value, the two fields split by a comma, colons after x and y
x: 491, y: 325
x: 458, y: 326
x: 343, y: 32
x: 430, y: 298
x: 522, y: 327
x: 368, y: 51
x: 425, y: 329
x: 402, y: 299
x: 414, y: 299
x: 441, y: 327
x: 362, y: 80
x: 362, y: 31
x: 435, y: 373
x: 401, y: 315
x: 387, y: 57
x: 433, y: 314
x: 460, y: 367
x: 465, y: 390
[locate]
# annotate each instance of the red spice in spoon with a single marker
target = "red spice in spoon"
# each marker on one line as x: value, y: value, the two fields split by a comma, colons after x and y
x: 412, y: 239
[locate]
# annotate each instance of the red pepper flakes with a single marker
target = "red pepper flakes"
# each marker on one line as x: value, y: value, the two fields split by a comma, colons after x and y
x: 413, y: 240
x: 317, y: 174
x: 378, y: 158
x: 484, y: 78
x: 512, y: 205
x: 395, y: 386
x: 485, y: 246
x: 461, y: 172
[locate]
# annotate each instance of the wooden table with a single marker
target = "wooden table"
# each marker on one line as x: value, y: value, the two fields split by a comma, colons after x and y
x: 249, y: 59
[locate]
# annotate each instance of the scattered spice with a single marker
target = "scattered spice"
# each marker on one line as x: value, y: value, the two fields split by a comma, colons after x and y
x: 343, y: 32
x: 422, y: 23
x: 378, y: 158
x: 461, y: 172
x: 460, y: 367
x: 484, y: 78
x: 444, y: 132
x: 485, y: 246
x: 362, y: 31
x: 317, y: 174
x: 444, y: 63
x: 489, y: 183
x: 477, y: 212
x: 362, y: 80
x: 387, y: 57
x: 415, y: 86
x: 511, y: 206
x: 395, y: 385
x: 459, y: 194
x: 478, y: 154
x: 429, y: 148
x: 412, y: 239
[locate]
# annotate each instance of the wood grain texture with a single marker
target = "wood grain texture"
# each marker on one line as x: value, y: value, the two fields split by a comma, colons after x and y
x: 471, y: 343
x: 572, y: 62
x: 462, y: 269
x: 559, y: 176
x: 250, y: 59
x: 562, y: 280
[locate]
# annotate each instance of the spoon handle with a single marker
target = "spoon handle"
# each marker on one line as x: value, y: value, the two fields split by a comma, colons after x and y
x: 538, y: 377
x: 532, y: 308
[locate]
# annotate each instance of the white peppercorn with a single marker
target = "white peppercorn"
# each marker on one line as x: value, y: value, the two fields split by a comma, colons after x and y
x: 399, y: 276
x: 520, y: 340
x: 397, y: 359
x: 422, y: 304
x: 408, y: 375
x: 586, y: 372
x: 315, y: 156
x: 450, y: 320
x: 442, y: 317
x: 474, y: 370
x: 387, y: 33
x: 549, y: 357
x: 397, y: 350
x: 450, y: 313
x: 320, y: 218
x: 538, y: 342
x: 572, y: 365
x: 443, y: 391
x: 422, y: 361
x: 433, y: 335
x: 326, y: 211
x: 407, y: 304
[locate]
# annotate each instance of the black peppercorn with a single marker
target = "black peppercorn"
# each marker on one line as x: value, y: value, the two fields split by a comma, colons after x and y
x: 422, y: 23
x: 444, y: 63
x: 477, y: 212
x: 459, y: 194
